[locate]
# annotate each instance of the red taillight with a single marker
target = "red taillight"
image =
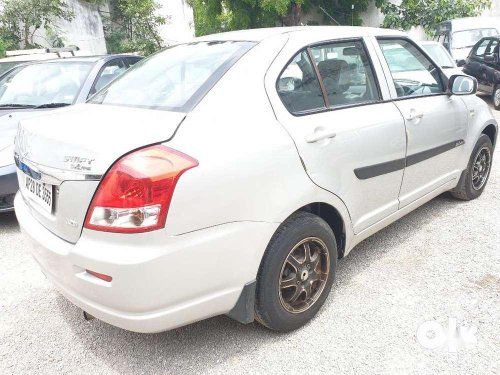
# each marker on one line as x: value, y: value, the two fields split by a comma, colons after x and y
x: 135, y: 194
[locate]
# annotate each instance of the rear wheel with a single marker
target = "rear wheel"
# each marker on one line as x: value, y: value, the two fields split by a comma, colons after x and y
x: 496, y: 97
x: 296, y: 273
x: 474, y: 179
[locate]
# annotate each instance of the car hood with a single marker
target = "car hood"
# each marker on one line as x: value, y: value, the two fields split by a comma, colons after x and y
x: 88, y: 138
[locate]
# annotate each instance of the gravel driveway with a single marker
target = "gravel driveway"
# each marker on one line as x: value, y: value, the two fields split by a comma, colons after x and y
x: 439, y: 267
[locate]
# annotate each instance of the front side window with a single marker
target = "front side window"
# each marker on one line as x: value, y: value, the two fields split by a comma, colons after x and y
x: 175, y: 78
x: 298, y: 86
x: 346, y: 73
x: 412, y: 72
x: 480, y: 49
x: 44, y: 83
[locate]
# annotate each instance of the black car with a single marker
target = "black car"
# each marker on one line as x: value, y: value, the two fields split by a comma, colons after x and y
x: 483, y: 63
x: 41, y: 86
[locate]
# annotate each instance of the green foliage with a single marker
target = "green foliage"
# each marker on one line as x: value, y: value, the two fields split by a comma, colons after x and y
x: 20, y: 20
x: 428, y: 13
x: 132, y: 26
x: 212, y: 16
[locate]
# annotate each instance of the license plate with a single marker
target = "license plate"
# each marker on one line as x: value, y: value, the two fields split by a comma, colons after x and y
x: 38, y: 192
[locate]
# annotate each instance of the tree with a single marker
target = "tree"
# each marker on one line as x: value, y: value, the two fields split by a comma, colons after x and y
x: 428, y: 13
x: 20, y: 20
x: 212, y: 16
x: 132, y: 26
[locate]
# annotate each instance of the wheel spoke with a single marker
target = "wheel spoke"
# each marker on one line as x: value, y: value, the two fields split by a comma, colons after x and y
x: 308, y: 290
x: 307, y: 251
x: 289, y: 281
x: 294, y: 262
x: 315, y: 262
x: 296, y: 295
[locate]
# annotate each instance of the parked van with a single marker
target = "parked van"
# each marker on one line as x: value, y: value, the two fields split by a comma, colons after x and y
x: 458, y: 36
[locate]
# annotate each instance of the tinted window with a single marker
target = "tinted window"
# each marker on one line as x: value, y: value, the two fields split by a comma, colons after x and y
x: 412, y: 72
x: 298, y: 86
x: 346, y: 73
x: 175, y: 78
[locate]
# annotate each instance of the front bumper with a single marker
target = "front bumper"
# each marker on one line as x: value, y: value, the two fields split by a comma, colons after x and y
x: 159, y: 282
x: 8, y: 187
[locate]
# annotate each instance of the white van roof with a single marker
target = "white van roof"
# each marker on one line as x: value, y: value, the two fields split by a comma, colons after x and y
x: 469, y: 23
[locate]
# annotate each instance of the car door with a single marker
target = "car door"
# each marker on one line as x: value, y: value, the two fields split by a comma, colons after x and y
x: 436, y: 123
x: 352, y: 142
x: 489, y: 66
x: 475, y: 63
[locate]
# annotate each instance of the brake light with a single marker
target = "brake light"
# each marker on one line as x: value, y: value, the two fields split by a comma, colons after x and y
x: 135, y: 193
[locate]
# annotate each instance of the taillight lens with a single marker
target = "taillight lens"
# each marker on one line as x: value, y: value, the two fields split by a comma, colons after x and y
x: 135, y: 193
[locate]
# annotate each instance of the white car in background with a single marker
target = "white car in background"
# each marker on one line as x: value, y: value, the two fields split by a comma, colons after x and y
x: 440, y: 55
x: 228, y: 174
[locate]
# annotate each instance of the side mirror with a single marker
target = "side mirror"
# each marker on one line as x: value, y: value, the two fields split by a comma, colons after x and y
x: 461, y: 85
x: 461, y: 63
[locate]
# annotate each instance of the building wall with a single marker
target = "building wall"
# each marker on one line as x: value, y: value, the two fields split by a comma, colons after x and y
x: 84, y: 31
x: 180, y: 23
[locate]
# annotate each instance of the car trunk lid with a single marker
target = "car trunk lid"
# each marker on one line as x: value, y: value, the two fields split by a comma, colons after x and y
x: 69, y: 150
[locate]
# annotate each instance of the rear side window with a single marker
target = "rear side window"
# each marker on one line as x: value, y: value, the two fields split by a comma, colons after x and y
x: 346, y: 73
x: 174, y: 79
x: 298, y: 86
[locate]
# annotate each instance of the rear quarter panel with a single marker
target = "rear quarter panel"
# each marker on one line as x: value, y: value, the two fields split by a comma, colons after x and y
x: 249, y: 168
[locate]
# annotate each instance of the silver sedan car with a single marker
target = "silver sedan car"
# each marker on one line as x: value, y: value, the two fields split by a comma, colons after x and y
x: 228, y: 174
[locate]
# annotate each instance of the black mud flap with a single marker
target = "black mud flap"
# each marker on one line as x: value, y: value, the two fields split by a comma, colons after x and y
x: 243, y: 311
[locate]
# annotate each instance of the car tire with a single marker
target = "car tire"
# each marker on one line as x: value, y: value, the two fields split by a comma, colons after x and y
x: 496, y: 97
x: 475, y: 177
x: 293, y: 283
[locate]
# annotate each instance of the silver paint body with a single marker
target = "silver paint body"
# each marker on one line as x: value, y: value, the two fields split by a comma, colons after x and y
x: 256, y: 168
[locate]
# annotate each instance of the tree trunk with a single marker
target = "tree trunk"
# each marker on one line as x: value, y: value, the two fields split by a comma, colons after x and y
x: 293, y: 18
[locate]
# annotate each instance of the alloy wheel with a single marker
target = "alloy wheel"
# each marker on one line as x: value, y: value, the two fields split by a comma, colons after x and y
x: 496, y: 97
x: 303, y: 275
x: 481, y: 167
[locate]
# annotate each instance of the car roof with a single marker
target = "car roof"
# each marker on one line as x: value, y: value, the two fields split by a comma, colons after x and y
x: 318, y: 32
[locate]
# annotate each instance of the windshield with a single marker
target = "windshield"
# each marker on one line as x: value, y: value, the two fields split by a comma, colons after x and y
x: 467, y: 38
x: 42, y: 84
x: 174, y: 79
x: 5, y: 66
x: 439, y: 55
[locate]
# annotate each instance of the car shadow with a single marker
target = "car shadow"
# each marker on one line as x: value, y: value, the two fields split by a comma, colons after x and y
x: 203, y: 345
x: 8, y: 222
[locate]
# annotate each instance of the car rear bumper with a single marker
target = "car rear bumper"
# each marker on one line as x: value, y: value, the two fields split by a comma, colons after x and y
x: 159, y: 282
x: 8, y: 187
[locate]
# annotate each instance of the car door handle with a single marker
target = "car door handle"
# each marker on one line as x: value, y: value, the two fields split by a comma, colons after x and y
x: 320, y: 135
x: 414, y: 115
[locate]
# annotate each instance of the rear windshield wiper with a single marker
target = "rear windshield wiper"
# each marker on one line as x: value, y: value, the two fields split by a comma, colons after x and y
x: 14, y: 105
x: 52, y: 105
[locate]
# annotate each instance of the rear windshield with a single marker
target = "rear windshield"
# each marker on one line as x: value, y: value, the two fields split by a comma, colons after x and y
x: 174, y: 79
